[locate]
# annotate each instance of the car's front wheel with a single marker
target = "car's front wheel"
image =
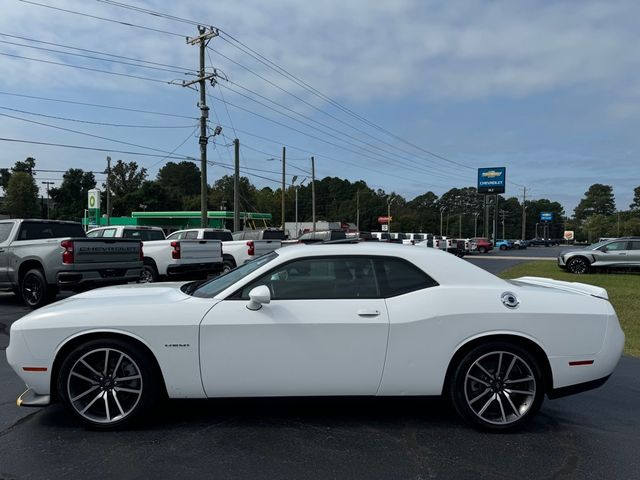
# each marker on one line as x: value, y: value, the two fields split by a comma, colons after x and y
x: 482, y: 249
x: 578, y: 265
x: 108, y: 383
x: 497, y: 386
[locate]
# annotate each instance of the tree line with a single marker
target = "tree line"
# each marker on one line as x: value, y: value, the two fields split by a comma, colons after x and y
x: 457, y: 212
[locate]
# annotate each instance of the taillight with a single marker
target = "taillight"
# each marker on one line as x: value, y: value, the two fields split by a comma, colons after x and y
x: 252, y: 248
x: 67, y: 255
x: 175, y: 253
x: 141, y: 253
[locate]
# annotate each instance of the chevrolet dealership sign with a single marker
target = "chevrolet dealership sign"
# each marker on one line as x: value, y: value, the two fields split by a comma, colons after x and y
x: 492, y: 180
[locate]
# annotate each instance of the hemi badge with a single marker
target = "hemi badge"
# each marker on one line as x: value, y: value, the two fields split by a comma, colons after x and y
x: 34, y: 369
x: 580, y: 362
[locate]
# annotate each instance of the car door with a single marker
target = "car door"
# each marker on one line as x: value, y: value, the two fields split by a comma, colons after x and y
x: 614, y: 253
x: 633, y: 253
x: 324, y: 332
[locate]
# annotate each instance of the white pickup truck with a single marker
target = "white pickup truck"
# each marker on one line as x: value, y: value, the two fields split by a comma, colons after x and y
x: 234, y: 252
x: 168, y: 257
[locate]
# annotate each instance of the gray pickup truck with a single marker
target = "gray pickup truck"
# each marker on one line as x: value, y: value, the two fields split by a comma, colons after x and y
x: 40, y: 257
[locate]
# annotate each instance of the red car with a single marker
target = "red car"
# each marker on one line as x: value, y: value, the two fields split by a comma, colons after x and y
x: 483, y: 245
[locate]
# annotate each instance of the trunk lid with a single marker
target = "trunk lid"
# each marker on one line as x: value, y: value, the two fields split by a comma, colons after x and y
x: 575, y: 287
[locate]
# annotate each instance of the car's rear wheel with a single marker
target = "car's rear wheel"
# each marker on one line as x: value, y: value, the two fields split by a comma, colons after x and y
x: 482, y: 249
x: 578, y: 265
x: 228, y: 265
x: 149, y: 274
x: 503, y: 247
x: 108, y: 383
x: 497, y: 386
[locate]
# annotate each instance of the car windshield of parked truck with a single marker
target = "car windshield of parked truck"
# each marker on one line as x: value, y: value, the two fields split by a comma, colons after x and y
x: 40, y: 230
x: 213, y: 287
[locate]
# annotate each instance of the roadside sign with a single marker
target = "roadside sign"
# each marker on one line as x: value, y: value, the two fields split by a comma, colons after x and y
x: 546, y: 216
x: 492, y: 180
x: 569, y: 235
x: 490, y: 199
x: 385, y: 228
x: 93, y: 200
x: 385, y: 219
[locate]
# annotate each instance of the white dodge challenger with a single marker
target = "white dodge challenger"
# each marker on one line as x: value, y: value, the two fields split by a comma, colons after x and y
x: 362, y: 319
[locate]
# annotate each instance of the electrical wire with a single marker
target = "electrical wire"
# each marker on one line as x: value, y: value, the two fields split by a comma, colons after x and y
x: 97, y: 105
x: 138, y: 77
x: 89, y: 122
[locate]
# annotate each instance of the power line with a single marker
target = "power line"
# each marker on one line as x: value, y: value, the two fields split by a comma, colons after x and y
x: 138, y: 77
x: 94, y: 149
x: 91, y: 57
x: 72, y: 102
x: 127, y: 24
x: 174, y: 150
x: 89, y: 122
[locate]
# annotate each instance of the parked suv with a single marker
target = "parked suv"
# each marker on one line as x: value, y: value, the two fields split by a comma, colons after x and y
x: 482, y: 245
x: 504, y: 244
x: 619, y: 252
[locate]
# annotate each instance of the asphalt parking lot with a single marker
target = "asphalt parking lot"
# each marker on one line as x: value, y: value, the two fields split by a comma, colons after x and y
x: 591, y: 435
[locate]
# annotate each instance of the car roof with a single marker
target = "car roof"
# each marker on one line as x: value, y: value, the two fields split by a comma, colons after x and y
x: 444, y: 267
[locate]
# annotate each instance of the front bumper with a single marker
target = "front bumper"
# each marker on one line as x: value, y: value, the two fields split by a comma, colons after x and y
x: 561, y: 261
x: 99, y: 277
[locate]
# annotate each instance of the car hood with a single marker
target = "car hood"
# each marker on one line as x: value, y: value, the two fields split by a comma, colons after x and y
x: 165, y: 291
x: 575, y: 287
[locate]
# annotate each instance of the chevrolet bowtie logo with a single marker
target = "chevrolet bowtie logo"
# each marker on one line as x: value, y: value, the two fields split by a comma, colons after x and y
x: 492, y: 174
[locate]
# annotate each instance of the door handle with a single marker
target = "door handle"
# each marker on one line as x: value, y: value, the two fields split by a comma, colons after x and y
x: 365, y: 312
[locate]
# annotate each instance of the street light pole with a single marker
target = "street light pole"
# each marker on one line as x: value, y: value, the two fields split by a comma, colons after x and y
x: 51, y: 183
x: 475, y: 224
x: 442, y: 209
x: 389, y: 202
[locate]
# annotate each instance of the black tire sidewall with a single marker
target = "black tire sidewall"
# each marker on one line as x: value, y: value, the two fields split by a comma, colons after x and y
x: 456, y: 385
x: 151, y: 269
x: 46, y: 293
x: 151, y: 388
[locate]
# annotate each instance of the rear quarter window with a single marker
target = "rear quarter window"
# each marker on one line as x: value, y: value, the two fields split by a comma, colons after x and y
x: 41, y: 230
x: 397, y: 277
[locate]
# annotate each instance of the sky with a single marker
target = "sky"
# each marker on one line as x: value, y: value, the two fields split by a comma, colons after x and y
x: 408, y: 95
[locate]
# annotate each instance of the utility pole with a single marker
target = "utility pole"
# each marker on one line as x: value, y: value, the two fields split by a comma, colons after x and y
x: 205, y: 35
x: 503, y: 214
x: 284, y: 158
x: 313, y: 193
x: 236, y: 187
x: 475, y: 224
x: 108, y: 191
x: 524, y: 212
x: 51, y: 183
x: 389, y: 202
x: 442, y: 209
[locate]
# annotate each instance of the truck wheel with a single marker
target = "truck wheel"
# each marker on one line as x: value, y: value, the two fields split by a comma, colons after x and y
x: 148, y: 274
x: 228, y: 265
x: 34, y: 289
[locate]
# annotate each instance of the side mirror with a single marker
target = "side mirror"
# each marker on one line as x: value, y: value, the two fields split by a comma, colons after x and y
x: 258, y: 296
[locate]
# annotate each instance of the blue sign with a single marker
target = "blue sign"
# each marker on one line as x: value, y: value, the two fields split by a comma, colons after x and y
x: 492, y: 180
x: 546, y: 216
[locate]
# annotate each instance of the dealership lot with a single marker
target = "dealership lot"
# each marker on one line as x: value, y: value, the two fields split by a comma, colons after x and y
x: 592, y: 435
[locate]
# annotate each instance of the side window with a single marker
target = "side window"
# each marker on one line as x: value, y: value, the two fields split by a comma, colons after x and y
x: 95, y: 234
x: 614, y: 246
x: 397, y: 277
x: 109, y: 233
x: 320, y: 278
x: 128, y: 233
x: 5, y: 230
x: 193, y: 235
x: 176, y: 236
x: 635, y: 245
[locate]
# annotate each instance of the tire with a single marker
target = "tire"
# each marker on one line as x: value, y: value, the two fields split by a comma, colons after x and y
x: 101, y: 401
x: 34, y: 290
x: 149, y: 273
x: 482, y: 249
x: 227, y: 266
x: 578, y: 265
x: 503, y: 247
x: 484, y: 399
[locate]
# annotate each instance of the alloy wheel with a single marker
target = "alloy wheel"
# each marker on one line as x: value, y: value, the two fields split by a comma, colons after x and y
x: 578, y: 265
x: 500, y: 388
x: 104, y: 385
x: 32, y: 290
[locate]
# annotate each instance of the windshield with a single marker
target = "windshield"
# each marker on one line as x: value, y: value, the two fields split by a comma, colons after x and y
x: 598, y: 245
x: 215, y: 286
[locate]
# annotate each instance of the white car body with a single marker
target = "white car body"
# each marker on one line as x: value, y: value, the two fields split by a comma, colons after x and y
x: 402, y: 345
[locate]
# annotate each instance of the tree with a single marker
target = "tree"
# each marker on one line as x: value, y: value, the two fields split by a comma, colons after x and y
x: 126, y: 178
x: 22, y: 196
x: 70, y: 198
x: 598, y: 200
x: 27, y: 166
x: 635, y: 206
x: 180, y: 180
